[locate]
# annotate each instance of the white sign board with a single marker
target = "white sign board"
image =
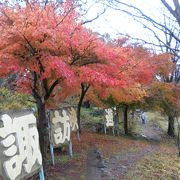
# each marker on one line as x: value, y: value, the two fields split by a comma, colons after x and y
x: 20, y: 156
x: 60, y: 130
x: 73, y: 118
x: 109, y: 122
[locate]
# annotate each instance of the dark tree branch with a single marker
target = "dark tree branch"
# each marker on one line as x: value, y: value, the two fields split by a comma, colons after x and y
x: 85, y: 87
x: 97, y: 16
x: 34, y: 88
x: 45, y: 85
x: 54, y: 84
x: 142, y: 16
x: 171, y: 41
x: 176, y: 12
x: 33, y: 50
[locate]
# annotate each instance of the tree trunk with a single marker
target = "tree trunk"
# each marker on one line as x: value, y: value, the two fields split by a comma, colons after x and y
x: 116, y: 120
x: 41, y: 95
x: 170, y: 126
x: 116, y: 117
x: 84, y: 89
x: 42, y: 129
x: 178, y: 136
x: 79, y: 112
x: 178, y: 140
x: 126, y: 120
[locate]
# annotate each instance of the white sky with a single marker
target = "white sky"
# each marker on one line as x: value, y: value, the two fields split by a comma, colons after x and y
x: 113, y: 22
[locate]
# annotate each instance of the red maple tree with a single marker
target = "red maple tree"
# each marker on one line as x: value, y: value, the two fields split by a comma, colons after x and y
x: 50, y: 49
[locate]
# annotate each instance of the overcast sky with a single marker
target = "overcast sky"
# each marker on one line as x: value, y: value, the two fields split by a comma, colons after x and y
x: 115, y: 22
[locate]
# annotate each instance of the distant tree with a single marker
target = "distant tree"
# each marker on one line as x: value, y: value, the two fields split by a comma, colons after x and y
x: 139, y: 70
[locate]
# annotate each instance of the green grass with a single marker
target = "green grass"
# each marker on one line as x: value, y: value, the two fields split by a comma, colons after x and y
x: 163, y: 164
x: 94, y: 115
x: 157, y: 118
x: 160, y: 120
x: 89, y: 115
x: 62, y: 159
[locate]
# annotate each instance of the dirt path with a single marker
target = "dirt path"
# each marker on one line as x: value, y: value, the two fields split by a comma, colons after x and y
x: 150, y: 131
x: 117, y: 166
x: 120, y: 164
x: 93, y: 161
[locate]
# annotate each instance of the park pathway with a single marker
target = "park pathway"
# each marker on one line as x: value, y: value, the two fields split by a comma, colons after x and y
x: 93, y: 161
x: 118, y: 165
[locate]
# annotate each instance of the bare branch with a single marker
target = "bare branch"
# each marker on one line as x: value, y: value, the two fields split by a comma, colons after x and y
x: 97, y: 16
x: 176, y: 12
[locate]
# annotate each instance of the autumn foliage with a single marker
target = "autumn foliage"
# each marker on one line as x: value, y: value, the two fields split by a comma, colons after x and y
x: 45, y: 43
x: 53, y: 54
x: 50, y: 50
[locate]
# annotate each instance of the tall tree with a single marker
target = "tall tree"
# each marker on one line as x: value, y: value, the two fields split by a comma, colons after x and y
x: 51, y: 51
x: 47, y: 46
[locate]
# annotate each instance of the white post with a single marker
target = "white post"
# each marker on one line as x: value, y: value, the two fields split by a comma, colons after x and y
x: 41, y: 174
x: 52, y: 154
x: 70, y: 149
